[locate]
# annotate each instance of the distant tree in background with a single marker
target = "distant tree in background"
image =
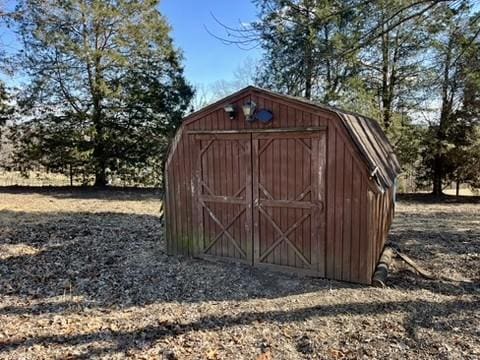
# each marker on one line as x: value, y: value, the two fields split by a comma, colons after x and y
x: 392, y: 73
x: 393, y: 60
x: 468, y: 170
x: 393, y: 65
x: 6, y: 108
x: 243, y: 76
x: 305, y: 47
x: 451, y: 138
x: 106, y: 89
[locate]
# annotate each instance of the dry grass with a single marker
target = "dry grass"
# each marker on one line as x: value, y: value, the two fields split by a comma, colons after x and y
x: 32, y: 178
x: 463, y: 192
x: 40, y: 178
x: 84, y: 275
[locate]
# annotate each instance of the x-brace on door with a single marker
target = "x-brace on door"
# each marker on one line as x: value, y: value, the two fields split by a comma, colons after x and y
x: 260, y: 197
x: 224, y: 196
x: 288, y: 176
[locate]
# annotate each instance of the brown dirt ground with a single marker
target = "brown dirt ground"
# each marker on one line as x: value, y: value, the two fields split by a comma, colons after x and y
x: 84, y: 274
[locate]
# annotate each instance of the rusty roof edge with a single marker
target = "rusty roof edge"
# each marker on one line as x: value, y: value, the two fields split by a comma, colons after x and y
x: 390, y: 158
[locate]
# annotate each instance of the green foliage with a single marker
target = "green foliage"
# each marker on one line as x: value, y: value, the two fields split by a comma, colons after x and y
x: 406, y: 138
x: 392, y: 60
x: 6, y: 109
x: 450, y: 150
x: 106, y: 87
x: 302, y: 47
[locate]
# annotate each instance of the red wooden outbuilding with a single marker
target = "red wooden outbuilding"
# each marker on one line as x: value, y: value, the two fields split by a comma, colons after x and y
x: 281, y: 182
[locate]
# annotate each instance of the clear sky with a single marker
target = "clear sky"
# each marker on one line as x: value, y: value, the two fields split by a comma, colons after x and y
x: 206, y: 58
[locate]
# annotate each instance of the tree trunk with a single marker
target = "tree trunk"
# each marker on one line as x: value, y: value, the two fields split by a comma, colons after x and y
x: 95, y: 81
x: 100, y: 176
x: 99, y: 150
x: 309, y: 62
x: 386, y: 103
x: 437, y: 182
x: 99, y: 155
x: 308, y: 86
x: 457, y: 188
x: 100, y: 180
x: 309, y: 47
x: 438, y: 168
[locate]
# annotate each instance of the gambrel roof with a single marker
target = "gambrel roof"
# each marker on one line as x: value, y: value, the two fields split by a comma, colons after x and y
x: 367, y: 135
x: 373, y: 145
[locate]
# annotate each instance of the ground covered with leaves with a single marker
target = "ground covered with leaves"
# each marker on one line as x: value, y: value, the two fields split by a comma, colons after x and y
x: 84, y: 274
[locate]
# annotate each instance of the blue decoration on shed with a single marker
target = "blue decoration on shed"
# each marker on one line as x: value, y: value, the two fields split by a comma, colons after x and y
x: 265, y: 116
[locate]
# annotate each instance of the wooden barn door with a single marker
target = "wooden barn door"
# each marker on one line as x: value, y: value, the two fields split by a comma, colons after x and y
x: 224, y: 196
x: 288, y: 194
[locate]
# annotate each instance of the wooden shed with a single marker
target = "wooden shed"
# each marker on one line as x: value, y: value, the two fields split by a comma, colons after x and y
x: 297, y: 186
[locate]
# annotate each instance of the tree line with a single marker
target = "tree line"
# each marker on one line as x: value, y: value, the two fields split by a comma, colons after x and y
x: 105, y: 89
x: 412, y: 65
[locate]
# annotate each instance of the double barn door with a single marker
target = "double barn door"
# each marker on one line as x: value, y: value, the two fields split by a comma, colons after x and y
x: 259, y: 197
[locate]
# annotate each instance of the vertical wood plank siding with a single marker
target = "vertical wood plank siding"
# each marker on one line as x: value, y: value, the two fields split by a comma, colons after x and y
x: 356, y: 216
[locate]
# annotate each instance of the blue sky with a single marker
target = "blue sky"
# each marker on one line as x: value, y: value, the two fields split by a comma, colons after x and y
x: 206, y: 59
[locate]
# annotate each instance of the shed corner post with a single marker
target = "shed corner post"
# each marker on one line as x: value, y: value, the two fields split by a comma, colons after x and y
x: 166, y: 212
x: 196, y: 238
x: 371, y: 238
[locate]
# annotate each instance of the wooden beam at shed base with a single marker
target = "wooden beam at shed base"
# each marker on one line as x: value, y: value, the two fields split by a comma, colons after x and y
x: 381, y: 272
x: 428, y: 275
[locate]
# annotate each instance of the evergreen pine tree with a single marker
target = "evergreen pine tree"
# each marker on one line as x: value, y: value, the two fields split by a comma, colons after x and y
x: 106, y: 86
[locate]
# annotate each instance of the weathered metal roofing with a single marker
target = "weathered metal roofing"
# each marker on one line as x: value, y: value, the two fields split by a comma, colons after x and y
x: 374, y: 146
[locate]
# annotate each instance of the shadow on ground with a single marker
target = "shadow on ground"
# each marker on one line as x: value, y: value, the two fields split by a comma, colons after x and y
x: 444, y: 199
x: 420, y: 314
x: 443, y: 238
x: 119, y: 259
x: 112, y: 258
